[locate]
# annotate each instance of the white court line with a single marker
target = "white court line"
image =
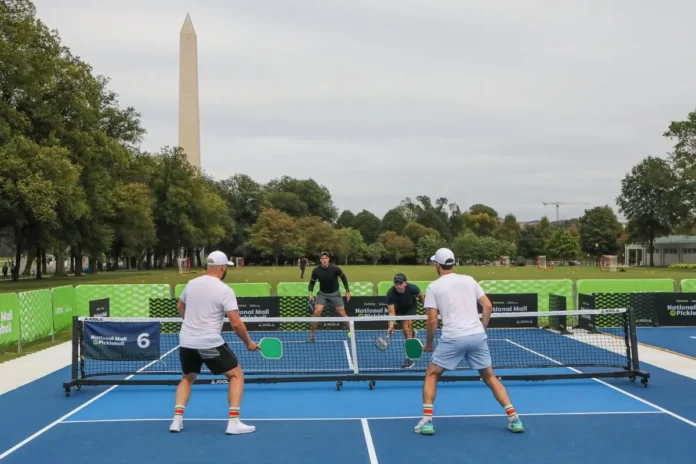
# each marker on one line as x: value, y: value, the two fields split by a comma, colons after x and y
x: 630, y: 395
x: 350, y: 361
x: 79, y: 408
x: 437, y: 416
x: 368, y: 440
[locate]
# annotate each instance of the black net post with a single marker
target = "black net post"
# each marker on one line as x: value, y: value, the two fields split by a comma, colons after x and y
x: 633, y: 356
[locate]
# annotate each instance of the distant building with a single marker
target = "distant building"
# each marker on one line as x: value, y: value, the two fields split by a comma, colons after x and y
x: 671, y: 249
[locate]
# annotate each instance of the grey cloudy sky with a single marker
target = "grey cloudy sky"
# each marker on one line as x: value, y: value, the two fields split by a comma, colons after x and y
x: 508, y: 103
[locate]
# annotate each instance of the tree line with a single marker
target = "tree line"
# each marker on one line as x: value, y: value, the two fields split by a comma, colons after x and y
x: 74, y: 183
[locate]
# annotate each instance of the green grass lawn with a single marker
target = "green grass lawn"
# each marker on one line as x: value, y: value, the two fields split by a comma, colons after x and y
x: 273, y: 275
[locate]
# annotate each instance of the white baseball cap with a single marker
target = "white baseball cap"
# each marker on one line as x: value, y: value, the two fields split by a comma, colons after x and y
x: 443, y: 256
x: 218, y: 258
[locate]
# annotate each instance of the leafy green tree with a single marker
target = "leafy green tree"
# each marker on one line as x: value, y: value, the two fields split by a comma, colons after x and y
x: 272, y: 233
x: 368, y: 225
x: 563, y: 246
x: 531, y: 242
x: 651, y: 201
x: 346, y: 219
x: 427, y: 245
x: 396, y: 246
x: 599, y: 231
x: 509, y: 230
x: 394, y: 219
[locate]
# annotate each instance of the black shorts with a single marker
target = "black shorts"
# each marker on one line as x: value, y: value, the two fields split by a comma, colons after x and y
x: 409, y: 311
x: 219, y: 359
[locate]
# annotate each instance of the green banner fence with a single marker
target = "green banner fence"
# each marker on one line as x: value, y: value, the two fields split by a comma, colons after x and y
x: 32, y: 315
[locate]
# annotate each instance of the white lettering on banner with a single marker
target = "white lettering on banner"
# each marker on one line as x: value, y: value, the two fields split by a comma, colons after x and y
x: 254, y: 312
x: 510, y: 309
x: 215, y: 382
x: 143, y: 341
x: 5, y: 328
x: 375, y: 312
x: 681, y: 307
x: 6, y: 316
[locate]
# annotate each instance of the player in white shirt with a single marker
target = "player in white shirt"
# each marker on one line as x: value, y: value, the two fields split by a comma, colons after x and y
x: 204, y: 304
x: 455, y: 296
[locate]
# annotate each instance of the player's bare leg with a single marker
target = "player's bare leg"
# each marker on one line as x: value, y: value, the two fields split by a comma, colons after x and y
x: 181, y: 398
x: 317, y: 313
x: 408, y: 333
x: 432, y: 375
x: 342, y: 312
x: 234, y: 397
x: 501, y: 395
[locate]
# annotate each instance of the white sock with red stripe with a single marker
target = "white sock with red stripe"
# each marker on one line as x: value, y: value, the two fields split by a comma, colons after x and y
x: 427, y: 412
x: 234, y: 415
x: 511, y: 413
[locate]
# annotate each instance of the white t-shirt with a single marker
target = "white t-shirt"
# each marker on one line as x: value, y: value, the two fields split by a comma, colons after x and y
x: 208, y: 300
x: 455, y: 297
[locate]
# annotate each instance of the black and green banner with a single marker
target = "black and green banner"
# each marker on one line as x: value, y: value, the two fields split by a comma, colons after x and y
x: 676, y: 309
x: 513, y: 303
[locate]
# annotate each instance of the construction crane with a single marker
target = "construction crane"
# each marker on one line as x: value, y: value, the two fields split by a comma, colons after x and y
x: 559, y: 203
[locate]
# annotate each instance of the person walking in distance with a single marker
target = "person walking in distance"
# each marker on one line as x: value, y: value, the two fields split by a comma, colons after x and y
x: 303, y: 266
x: 203, y: 305
x: 329, y: 292
x: 455, y: 296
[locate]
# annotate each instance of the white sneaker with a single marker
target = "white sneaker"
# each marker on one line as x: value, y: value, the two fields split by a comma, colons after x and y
x: 177, y: 425
x: 236, y: 428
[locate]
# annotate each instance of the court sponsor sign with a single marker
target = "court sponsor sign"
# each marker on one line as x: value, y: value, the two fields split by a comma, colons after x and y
x: 367, y: 307
x: 120, y: 341
x: 676, y: 309
x: 513, y: 303
x: 257, y: 306
x: 9, y: 319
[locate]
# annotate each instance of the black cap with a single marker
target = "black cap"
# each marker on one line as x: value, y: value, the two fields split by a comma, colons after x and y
x: 325, y: 253
x: 399, y: 278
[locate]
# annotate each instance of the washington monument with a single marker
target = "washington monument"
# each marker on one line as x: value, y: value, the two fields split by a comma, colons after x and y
x: 189, y: 123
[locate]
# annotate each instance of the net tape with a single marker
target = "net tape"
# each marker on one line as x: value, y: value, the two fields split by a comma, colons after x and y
x: 540, y: 314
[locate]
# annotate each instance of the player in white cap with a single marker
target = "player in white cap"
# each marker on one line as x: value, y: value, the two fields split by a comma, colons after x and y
x: 204, y: 304
x: 455, y: 296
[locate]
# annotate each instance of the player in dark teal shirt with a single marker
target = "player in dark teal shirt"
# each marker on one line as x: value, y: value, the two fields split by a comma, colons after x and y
x: 402, y: 300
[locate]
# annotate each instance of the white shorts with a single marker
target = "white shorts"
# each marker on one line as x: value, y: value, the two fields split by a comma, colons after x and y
x: 449, y: 352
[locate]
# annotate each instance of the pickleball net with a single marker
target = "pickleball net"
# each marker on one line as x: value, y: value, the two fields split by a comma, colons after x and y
x: 525, y: 345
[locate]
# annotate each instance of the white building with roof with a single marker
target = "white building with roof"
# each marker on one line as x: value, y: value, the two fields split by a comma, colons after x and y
x: 671, y: 249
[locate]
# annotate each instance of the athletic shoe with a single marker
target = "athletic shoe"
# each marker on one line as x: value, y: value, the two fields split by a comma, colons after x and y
x: 516, y: 426
x: 424, y: 427
x: 177, y: 425
x: 236, y: 428
x: 408, y: 364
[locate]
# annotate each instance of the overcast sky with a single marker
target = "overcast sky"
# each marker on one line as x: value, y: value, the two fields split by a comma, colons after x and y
x: 508, y: 103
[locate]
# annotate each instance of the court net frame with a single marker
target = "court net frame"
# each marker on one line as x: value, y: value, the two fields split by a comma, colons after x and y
x: 617, y: 327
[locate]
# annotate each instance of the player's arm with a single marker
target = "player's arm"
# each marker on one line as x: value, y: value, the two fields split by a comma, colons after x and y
x: 312, y: 280
x: 487, y: 306
x: 229, y: 302
x: 181, y: 307
x: 419, y: 294
x: 181, y: 304
x: 344, y: 279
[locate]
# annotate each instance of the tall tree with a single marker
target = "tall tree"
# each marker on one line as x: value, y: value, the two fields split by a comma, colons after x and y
x: 599, y: 231
x: 272, y: 233
x: 651, y: 201
x: 563, y: 246
x: 368, y: 225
